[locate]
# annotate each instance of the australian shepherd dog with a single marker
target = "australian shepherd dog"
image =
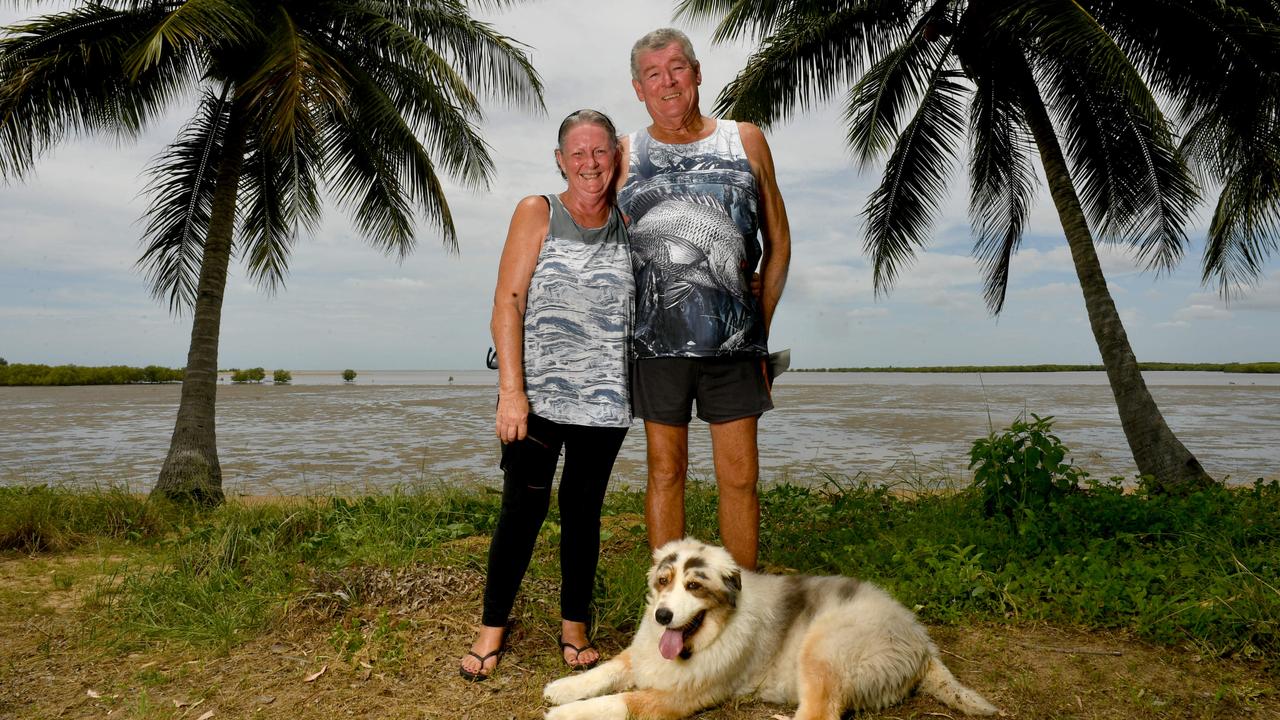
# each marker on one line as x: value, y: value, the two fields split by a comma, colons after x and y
x: 712, y: 631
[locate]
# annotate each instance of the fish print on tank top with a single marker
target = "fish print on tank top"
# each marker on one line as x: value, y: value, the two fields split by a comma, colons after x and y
x: 694, y: 244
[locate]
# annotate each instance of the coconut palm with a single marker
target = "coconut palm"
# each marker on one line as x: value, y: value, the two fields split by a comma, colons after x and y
x: 374, y: 99
x: 1074, y: 83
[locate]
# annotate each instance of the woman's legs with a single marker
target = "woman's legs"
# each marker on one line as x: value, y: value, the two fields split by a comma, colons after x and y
x: 589, y: 454
x: 529, y: 467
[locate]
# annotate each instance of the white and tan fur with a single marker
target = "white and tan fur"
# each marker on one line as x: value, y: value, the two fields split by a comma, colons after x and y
x: 827, y: 644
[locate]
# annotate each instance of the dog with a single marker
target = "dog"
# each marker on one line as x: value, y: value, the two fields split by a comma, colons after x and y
x: 712, y: 631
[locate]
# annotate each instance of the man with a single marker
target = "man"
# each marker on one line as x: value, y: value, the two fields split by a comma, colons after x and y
x: 697, y: 192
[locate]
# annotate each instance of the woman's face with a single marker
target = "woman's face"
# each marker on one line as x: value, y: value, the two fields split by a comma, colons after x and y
x: 588, y: 159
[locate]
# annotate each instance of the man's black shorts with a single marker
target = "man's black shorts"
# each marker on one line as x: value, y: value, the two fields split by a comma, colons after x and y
x: 663, y: 390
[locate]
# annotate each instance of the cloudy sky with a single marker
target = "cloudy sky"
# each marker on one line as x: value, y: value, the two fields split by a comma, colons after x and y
x: 69, y: 238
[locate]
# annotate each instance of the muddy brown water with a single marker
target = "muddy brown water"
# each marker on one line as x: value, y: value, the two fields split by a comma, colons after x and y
x: 320, y: 435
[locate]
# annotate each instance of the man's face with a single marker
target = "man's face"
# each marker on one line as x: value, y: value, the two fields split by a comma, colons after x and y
x: 668, y: 84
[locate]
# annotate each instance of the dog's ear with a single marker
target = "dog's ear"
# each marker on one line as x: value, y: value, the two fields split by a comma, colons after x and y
x: 732, y: 587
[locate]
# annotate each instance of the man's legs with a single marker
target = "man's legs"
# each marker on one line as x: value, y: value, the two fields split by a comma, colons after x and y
x: 668, y: 460
x: 737, y: 461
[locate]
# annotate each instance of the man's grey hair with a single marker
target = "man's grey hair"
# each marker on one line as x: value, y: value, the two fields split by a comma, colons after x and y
x: 657, y: 40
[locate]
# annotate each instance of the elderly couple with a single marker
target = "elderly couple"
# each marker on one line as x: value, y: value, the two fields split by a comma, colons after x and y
x: 594, y: 321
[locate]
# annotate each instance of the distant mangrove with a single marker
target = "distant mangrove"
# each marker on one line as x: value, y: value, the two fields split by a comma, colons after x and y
x: 30, y: 374
x: 1253, y: 367
x: 251, y: 375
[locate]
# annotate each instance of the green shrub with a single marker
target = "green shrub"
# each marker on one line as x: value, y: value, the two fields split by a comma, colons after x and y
x: 1024, y: 470
x: 40, y: 375
x: 349, y: 375
x: 254, y: 375
x: 281, y: 377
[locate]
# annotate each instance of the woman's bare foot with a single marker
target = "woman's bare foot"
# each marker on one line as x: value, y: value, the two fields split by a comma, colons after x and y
x: 575, y: 647
x: 483, y: 658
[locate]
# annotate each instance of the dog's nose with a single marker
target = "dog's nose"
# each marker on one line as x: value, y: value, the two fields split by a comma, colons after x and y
x: 663, y: 616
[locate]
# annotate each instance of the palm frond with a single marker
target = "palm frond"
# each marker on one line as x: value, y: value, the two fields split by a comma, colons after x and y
x: 495, y: 65
x: 1245, y: 228
x: 1132, y: 181
x: 1199, y: 54
x: 808, y: 57
x: 737, y: 18
x: 495, y: 4
x: 429, y: 94
x: 278, y: 194
x: 388, y: 44
x: 193, y: 22
x: 380, y: 170
x: 181, y: 187
x: 1001, y: 175
x: 900, y: 211
x: 63, y: 75
x: 295, y: 78
x: 891, y: 86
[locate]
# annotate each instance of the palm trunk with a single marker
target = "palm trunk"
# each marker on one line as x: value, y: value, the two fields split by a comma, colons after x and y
x: 191, y: 471
x: 1156, y: 450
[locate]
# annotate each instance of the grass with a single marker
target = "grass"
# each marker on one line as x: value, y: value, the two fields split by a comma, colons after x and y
x: 1199, y: 570
x: 165, y: 612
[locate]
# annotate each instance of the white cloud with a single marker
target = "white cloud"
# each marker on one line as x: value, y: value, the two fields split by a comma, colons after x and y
x: 1201, y: 312
x: 396, y: 283
x: 861, y: 313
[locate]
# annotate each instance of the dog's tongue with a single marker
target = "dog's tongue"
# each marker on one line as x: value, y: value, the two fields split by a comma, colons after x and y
x: 671, y: 644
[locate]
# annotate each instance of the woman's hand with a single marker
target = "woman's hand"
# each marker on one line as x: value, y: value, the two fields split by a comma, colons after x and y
x: 513, y: 416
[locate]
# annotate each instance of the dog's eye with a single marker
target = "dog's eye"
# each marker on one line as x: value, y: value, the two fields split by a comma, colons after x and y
x: 662, y: 581
x: 691, y: 585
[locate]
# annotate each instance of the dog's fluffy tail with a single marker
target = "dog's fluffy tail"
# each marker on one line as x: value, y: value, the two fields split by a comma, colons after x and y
x: 941, y: 684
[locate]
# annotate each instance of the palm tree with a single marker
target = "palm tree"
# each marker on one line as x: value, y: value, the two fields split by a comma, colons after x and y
x: 370, y: 97
x: 1074, y: 82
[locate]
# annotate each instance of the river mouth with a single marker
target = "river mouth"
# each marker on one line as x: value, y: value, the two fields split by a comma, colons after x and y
x: 312, y: 438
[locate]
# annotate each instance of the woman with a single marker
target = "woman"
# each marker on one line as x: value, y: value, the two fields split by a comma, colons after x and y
x: 561, y: 322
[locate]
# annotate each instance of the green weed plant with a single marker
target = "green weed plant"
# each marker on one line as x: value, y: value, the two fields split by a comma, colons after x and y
x: 1024, y: 470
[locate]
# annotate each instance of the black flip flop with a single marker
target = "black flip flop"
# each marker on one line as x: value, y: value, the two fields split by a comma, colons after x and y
x: 481, y: 675
x: 576, y: 652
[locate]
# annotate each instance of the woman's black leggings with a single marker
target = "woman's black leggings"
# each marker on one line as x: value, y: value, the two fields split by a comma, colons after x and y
x: 529, y: 466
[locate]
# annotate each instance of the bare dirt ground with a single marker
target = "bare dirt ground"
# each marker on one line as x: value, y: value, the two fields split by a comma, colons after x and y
x: 395, y: 656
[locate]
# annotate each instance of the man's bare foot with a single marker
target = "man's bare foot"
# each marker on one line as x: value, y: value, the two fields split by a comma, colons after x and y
x: 575, y: 647
x: 483, y: 658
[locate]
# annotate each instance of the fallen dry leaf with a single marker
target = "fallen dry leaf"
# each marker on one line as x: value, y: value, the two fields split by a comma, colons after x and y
x: 93, y: 693
x: 206, y: 716
x: 265, y: 699
x: 316, y: 674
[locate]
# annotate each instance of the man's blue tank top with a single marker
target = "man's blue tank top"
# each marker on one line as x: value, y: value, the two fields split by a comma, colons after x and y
x: 694, y: 244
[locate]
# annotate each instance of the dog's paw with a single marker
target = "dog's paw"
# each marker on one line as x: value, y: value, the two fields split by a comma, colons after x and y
x: 564, y: 690
x: 609, y: 707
